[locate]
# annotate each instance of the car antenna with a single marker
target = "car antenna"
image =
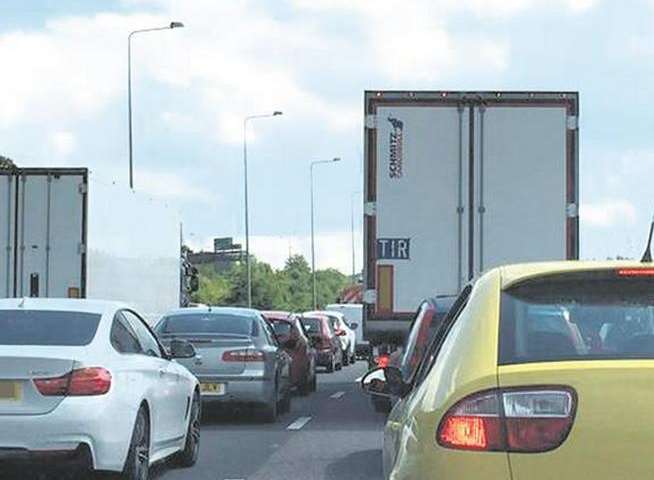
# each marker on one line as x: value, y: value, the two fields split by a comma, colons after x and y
x: 647, y: 256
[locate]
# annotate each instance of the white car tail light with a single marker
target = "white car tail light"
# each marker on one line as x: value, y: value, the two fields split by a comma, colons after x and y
x: 81, y: 382
x: 513, y: 420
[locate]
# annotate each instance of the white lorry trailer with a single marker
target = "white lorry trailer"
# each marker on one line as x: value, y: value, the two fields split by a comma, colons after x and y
x: 65, y: 234
x: 459, y: 182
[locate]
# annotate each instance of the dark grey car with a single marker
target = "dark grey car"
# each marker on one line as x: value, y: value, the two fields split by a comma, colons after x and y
x: 239, y: 359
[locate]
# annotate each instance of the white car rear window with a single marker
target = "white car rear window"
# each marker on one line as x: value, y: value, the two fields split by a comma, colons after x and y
x: 47, y: 328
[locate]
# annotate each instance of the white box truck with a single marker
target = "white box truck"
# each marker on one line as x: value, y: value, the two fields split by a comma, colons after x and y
x: 64, y: 233
x: 459, y: 182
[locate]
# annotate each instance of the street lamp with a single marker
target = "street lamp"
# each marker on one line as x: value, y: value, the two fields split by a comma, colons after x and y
x: 247, y: 218
x: 313, y: 245
x: 129, y: 88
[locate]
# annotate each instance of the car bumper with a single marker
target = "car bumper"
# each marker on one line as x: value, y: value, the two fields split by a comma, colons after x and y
x: 102, y: 427
x: 246, y: 390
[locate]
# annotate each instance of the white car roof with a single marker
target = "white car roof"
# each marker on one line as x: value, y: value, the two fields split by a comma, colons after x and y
x: 327, y: 312
x: 61, y: 304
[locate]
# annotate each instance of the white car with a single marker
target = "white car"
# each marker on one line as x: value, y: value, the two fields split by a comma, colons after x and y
x: 345, y: 333
x: 88, y: 382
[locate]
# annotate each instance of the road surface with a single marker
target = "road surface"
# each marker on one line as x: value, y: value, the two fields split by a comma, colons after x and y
x: 332, y: 434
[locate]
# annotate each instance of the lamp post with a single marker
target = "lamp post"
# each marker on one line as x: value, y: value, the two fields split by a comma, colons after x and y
x: 313, y: 243
x: 129, y: 88
x: 247, y: 217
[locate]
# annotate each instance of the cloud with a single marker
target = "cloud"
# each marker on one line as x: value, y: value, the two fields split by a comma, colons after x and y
x: 63, y: 143
x: 608, y: 213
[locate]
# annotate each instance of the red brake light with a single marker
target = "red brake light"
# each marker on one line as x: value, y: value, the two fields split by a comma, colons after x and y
x: 516, y: 420
x: 636, y: 272
x: 383, y: 360
x: 243, y: 355
x: 81, y: 382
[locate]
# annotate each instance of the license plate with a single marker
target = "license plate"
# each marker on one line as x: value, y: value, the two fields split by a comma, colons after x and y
x: 9, y: 391
x: 213, y: 388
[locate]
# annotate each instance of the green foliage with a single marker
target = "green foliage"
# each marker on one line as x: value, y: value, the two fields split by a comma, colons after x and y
x: 213, y: 287
x: 287, y: 289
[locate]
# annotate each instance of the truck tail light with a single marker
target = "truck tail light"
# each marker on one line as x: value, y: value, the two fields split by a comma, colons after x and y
x: 243, y: 355
x: 81, y: 382
x: 513, y: 420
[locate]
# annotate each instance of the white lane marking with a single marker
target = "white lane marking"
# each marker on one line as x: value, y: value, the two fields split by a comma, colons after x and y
x: 337, y: 395
x: 299, y: 423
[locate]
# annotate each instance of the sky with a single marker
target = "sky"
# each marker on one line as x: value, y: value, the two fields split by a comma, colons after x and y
x: 63, y: 101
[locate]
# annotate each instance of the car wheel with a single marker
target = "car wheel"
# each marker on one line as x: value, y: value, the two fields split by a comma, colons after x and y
x: 270, y: 411
x: 339, y: 365
x: 346, y: 359
x: 189, y: 456
x: 305, y: 387
x: 332, y: 364
x: 381, y: 404
x: 353, y: 359
x: 285, y: 402
x: 137, y: 465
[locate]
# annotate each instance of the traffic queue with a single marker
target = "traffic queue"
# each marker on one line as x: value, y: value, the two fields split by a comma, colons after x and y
x: 89, y: 385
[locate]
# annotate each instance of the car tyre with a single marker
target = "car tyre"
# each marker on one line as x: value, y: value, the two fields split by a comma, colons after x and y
x: 332, y: 364
x: 305, y: 387
x: 189, y: 456
x: 339, y: 365
x: 285, y: 403
x: 346, y: 359
x: 381, y: 404
x: 137, y: 465
x: 270, y: 411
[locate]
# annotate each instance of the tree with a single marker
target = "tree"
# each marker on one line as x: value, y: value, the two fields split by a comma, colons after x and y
x: 289, y: 289
x: 6, y: 164
x: 214, y: 288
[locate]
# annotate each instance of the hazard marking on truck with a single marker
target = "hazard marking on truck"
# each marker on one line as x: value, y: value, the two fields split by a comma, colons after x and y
x: 396, y: 148
x: 393, y: 248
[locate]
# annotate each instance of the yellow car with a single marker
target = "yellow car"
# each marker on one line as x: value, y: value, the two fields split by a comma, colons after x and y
x: 540, y: 371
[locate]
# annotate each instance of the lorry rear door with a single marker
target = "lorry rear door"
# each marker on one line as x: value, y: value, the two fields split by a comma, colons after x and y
x: 50, y: 223
x: 421, y: 158
x: 7, y: 222
x: 525, y: 202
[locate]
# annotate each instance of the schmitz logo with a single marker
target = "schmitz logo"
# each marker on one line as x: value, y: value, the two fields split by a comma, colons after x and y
x: 396, y: 148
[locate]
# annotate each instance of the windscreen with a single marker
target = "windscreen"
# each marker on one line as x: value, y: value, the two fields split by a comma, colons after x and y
x: 47, y: 328
x: 207, y: 324
x: 312, y: 326
x: 576, y: 318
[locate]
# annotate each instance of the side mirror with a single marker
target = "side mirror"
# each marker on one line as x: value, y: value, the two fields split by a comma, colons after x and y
x: 354, y: 326
x: 181, y: 349
x: 385, y: 382
x: 340, y: 333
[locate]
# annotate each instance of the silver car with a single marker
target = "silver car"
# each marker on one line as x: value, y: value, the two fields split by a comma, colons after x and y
x: 238, y: 358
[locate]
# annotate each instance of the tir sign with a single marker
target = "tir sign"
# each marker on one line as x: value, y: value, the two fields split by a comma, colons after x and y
x: 393, y: 248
